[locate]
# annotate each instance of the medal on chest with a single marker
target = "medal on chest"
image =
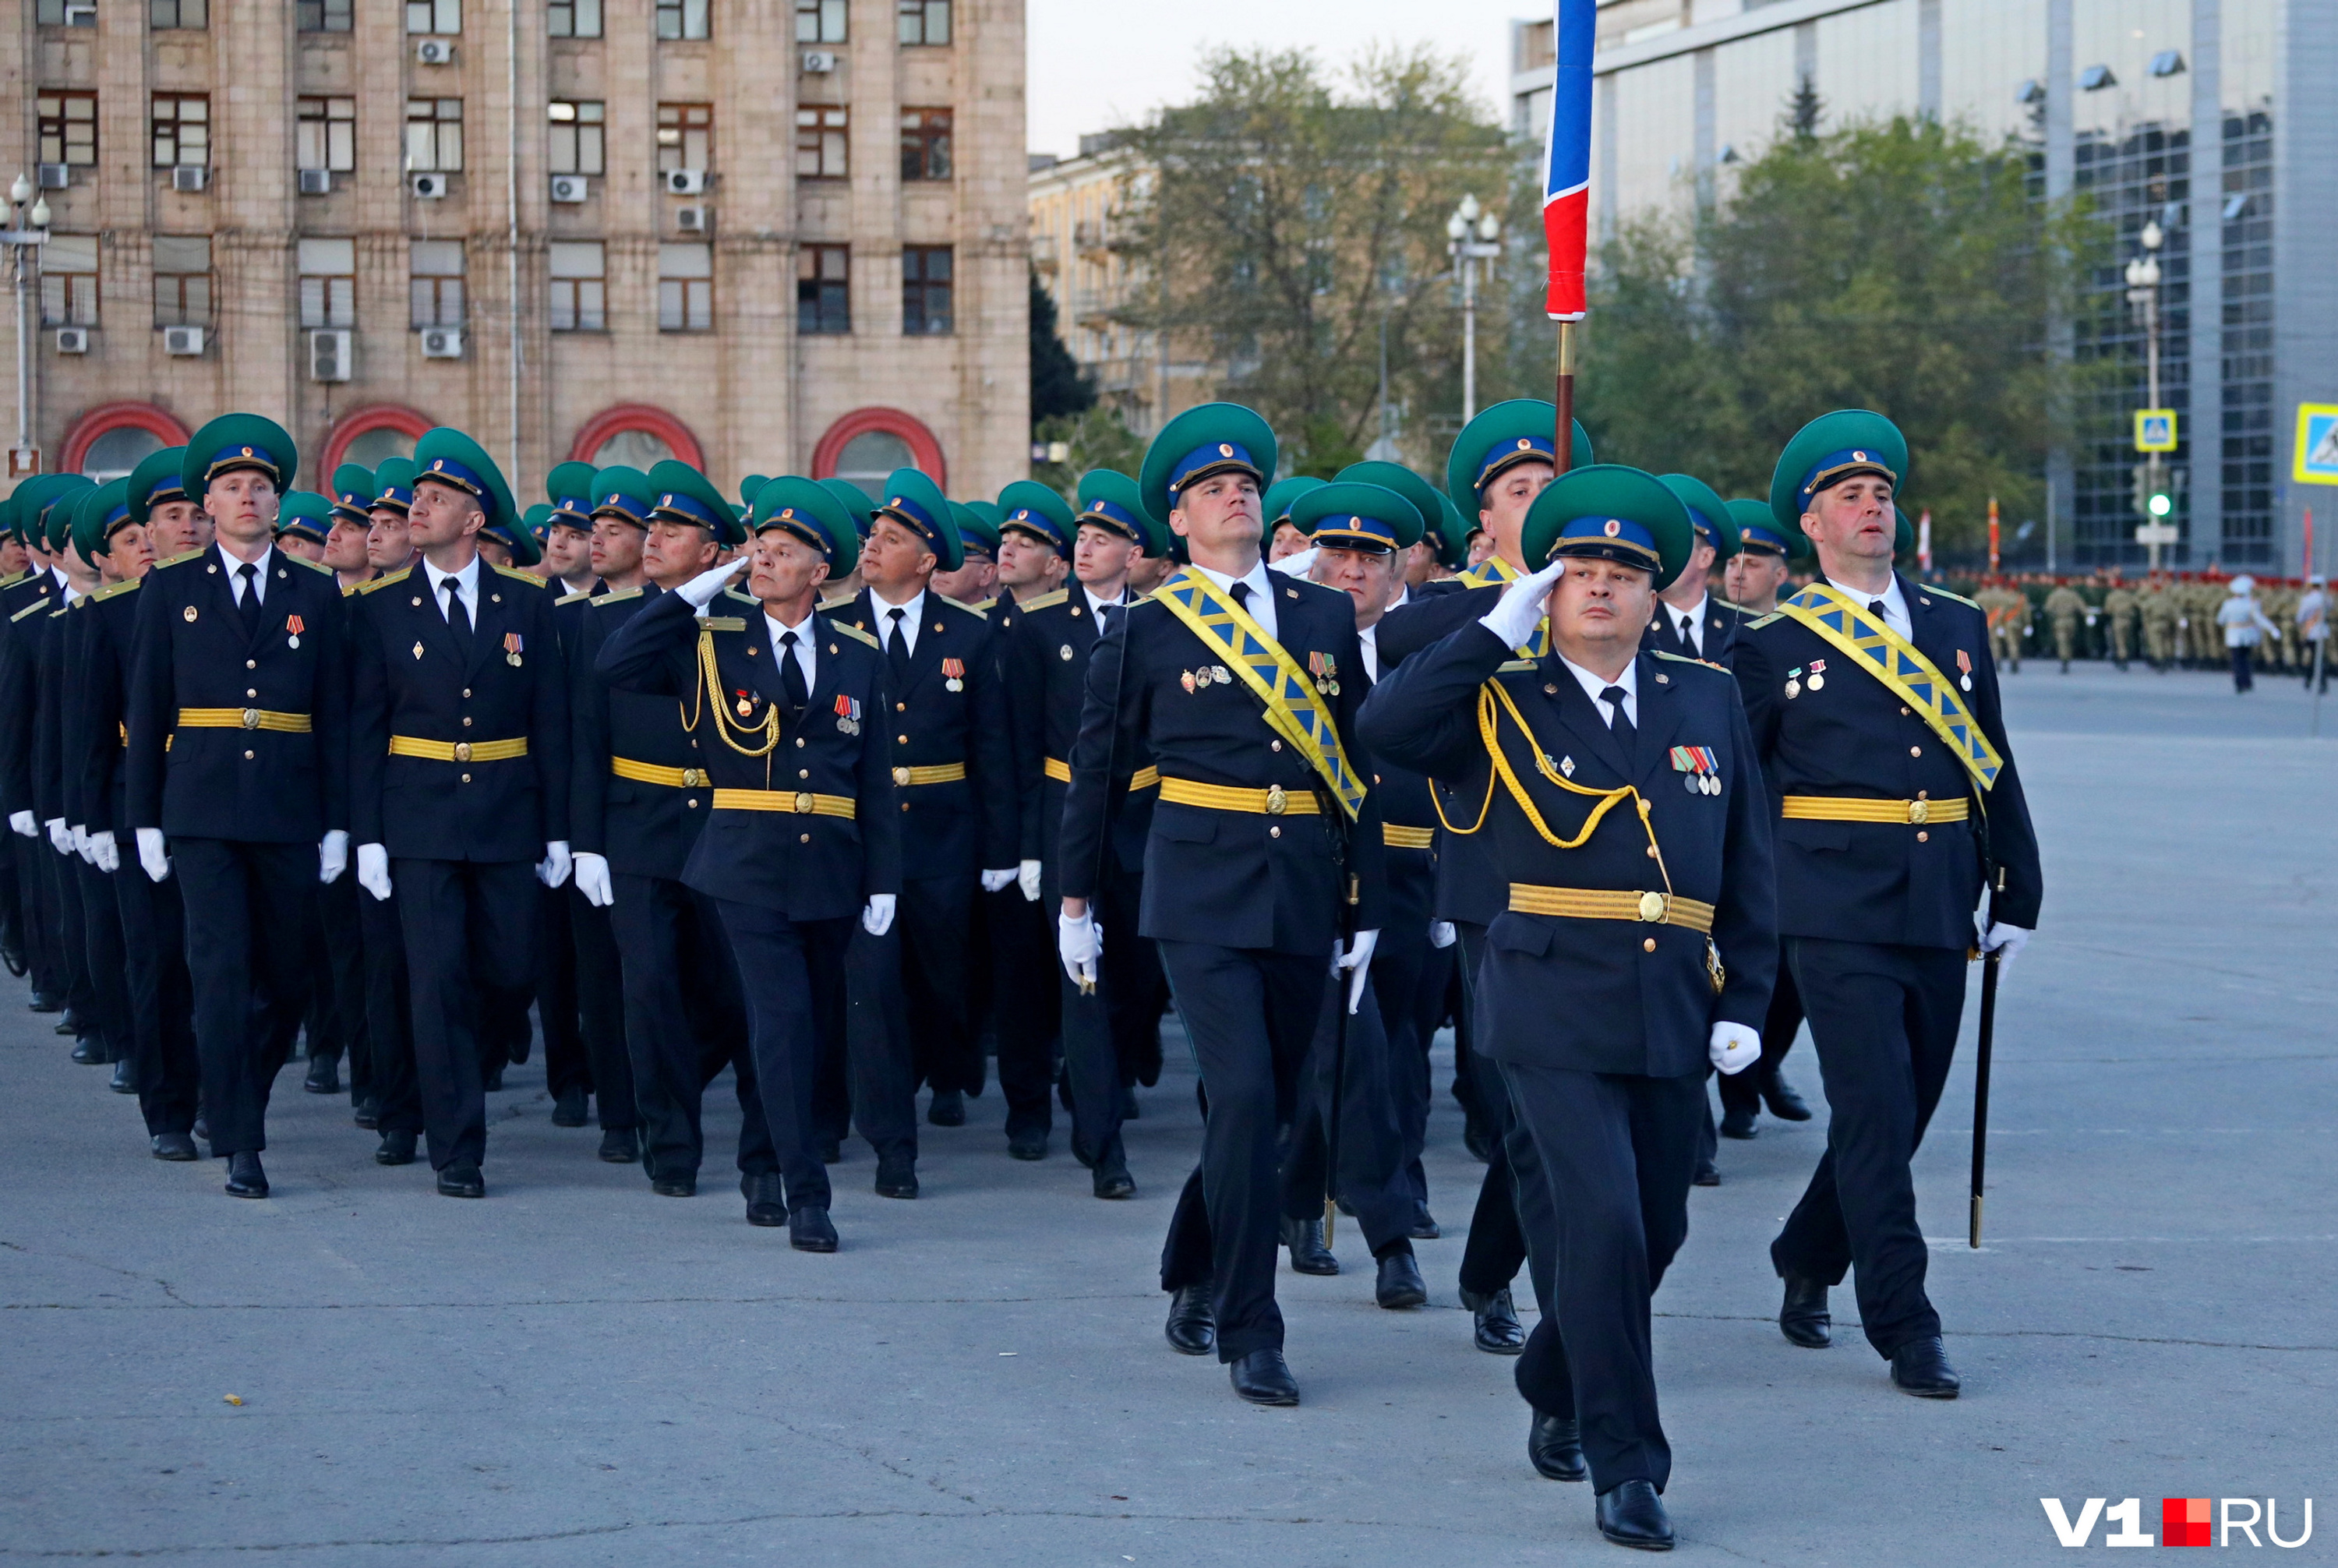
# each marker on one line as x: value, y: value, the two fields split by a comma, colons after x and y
x: 1699, y: 768
x: 1325, y: 668
x: 1818, y: 675
x: 848, y: 714
x: 512, y: 645
x: 292, y: 630
x: 1964, y: 667
x: 953, y: 674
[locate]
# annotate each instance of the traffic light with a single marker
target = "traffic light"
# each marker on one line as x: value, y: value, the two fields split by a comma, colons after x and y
x: 2160, y: 502
x: 2153, y: 495
x: 2139, y: 497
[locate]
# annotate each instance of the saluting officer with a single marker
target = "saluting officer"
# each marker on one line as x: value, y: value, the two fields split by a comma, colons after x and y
x: 237, y: 768
x: 1626, y: 805
x: 1264, y: 853
x: 460, y: 795
x: 1873, y: 704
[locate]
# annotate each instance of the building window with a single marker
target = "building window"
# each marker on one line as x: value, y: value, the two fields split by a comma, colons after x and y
x: 66, y: 13
x: 580, y: 287
x: 434, y: 15
x: 823, y: 288
x: 819, y: 21
x: 162, y: 16
x: 685, y: 288
x: 434, y: 283
x: 69, y: 280
x: 925, y: 290
x: 183, y: 129
x: 821, y: 142
x: 574, y: 18
x: 329, y: 282
x: 681, y: 18
x: 924, y: 144
x: 182, y: 281
x: 324, y: 15
x: 685, y: 136
x: 67, y: 123
x: 577, y: 130
x: 325, y: 135
x: 434, y: 136
x: 925, y: 21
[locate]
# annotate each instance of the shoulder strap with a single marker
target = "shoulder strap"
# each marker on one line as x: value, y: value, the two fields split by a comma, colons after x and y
x: 1904, y: 671
x: 855, y: 632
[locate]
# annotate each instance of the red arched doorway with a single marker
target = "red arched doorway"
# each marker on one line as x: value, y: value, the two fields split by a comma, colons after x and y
x: 653, y: 428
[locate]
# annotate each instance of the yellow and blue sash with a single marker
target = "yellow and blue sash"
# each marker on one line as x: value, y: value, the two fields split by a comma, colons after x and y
x: 1907, y: 673
x: 1494, y: 572
x: 1293, y: 710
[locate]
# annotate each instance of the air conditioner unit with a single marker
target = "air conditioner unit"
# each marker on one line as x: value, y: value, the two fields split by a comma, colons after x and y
x: 189, y: 177
x: 442, y: 343
x: 570, y: 187
x: 183, y: 341
x: 80, y: 13
x: 316, y: 182
x: 73, y: 339
x: 685, y: 181
x: 693, y: 219
x: 820, y: 62
x: 434, y: 51
x: 328, y: 354
x: 430, y: 187
x: 55, y: 176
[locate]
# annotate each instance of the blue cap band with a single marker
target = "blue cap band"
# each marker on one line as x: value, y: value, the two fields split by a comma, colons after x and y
x: 1704, y: 528
x: 395, y: 496
x: 1353, y: 533
x: 1616, y: 537
x: 904, y: 510
x: 230, y: 458
x: 498, y: 531
x: 787, y: 520
x: 1520, y: 449
x: 165, y: 493
x: 1038, y: 523
x: 350, y: 500
x: 684, y: 508
x: 1769, y: 540
x: 624, y: 505
x: 454, y: 473
x: 306, y: 527
x: 1217, y: 457
x: 1104, y: 515
x: 1839, y: 465
x: 575, y: 511
x: 113, y: 520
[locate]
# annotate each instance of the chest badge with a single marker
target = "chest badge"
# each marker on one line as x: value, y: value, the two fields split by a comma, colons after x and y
x: 418, y: 649
x: 1818, y: 675
x: 1065, y: 653
x: 514, y: 645
x: 292, y: 630
x: 1326, y: 671
x: 190, y: 614
x: 1794, y: 682
x: 1964, y: 667
x: 1195, y: 680
x: 1219, y: 673
x: 1700, y: 768
x: 848, y: 714
x: 1566, y: 767
x: 746, y: 703
x: 953, y: 673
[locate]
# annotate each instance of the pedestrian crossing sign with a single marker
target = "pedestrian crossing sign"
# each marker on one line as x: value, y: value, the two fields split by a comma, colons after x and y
x: 2317, y: 443
x: 2155, y: 429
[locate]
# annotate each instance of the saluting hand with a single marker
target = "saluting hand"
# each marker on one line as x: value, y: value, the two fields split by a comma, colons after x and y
x: 1520, y: 609
x: 701, y: 589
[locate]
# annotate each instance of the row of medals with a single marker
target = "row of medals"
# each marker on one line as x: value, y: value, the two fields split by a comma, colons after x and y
x: 1196, y: 679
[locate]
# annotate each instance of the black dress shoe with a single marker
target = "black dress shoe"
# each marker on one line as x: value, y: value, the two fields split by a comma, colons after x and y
x: 1307, y: 1253
x: 203, y: 1128
x: 676, y: 1184
x: 1737, y: 1122
x: 1555, y: 1446
x: 1802, y: 1316
x: 125, y: 1077
x: 831, y: 1150
x: 1109, y: 1177
x: 896, y: 1176
x: 1400, y: 1284
x: 71, y: 1024
x: 809, y: 1230
x: 568, y: 1111
x: 367, y: 1113
x: 397, y: 1149
x: 89, y: 1051
x: 1263, y: 1378
x: 40, y: 1004
x: 1498, y: 1331
x: 245, y: 1178
x: 461, y: 1182
x: 172, y: 1146
x: 1478, y: 1140
x: 324, y: 1075
x: 1424, y: 1227
x: 947, y: 1109
x: 1783, y: 1103
x: 1706, y: 1176
x: 620, y: 1145
x: 1920, y: 1367
x: 1027, y: 1144
x: 1192, y: 1327
x: 766, y: 1204
x: 1632, y: 1514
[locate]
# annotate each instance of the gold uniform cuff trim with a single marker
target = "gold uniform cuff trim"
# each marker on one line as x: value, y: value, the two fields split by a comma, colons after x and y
x: 1276, y: 801
x: 939, y: 773
x: 650, y: 773
x: 457, y: 750
x: 801, y: 803
x: 1142, y: 778
x: 1833, y: 808
x: 1397, y: 836
x: 244, y: 719
x: 1605, y: 904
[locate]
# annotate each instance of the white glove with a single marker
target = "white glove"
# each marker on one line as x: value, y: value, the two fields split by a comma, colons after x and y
x: 153, y: 855
x: 22, y: 821
x: 877, y: 918
x: 1299, y: 563
x: 79, y: 835
x: 103, y: 853
x: 333, y: 854
x: 1735, y: 1047
x: 1079, y: 943
x: 1358, y: 960
x: 373, y: 870
x: 2007, y: 942
x: 1027, y: 874
x: 1441, y: 935
x: 1520, y: 611
x: 553, y: 870
x: 592, y: 879
x: 992, y: 881
x: 60, y: 836
x: 701, y: 589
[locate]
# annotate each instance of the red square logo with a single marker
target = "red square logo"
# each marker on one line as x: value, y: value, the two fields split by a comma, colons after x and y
x: 2183, y: 1522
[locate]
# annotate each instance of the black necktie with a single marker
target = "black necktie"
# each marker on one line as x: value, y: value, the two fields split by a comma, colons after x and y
x: 1875, y: 608
x: 791, y: 676
x: 1622, y: 723
x: 247, y: 602
x: 458, y: 618
x: 1241, y: 591
x: 1688, y: 634
x: 897, y: 650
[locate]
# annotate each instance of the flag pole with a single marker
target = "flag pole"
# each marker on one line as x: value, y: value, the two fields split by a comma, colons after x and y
x: 1566, y: 199
x: 1563, y: 438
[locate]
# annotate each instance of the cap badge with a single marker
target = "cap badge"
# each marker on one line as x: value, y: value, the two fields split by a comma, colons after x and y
x: 1525, y: 444
x: 1611, y: 528
x: 1225, y: 450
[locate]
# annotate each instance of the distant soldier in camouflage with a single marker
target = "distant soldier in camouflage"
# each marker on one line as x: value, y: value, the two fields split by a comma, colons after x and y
x: 2065, y: 608
x: 2120, y: 609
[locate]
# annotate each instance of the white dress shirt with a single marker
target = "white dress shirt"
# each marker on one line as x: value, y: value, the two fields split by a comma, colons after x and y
x: 234, y: 570
x: 910, y: 612
x: 1370, y: 636
x: 807, y: 660
x: 1594, y: 684
x: 1096, y: 606
x: 1695, y: 632
x: 1260, y: 604
x: 466, y: 585
x: 1895, y: 604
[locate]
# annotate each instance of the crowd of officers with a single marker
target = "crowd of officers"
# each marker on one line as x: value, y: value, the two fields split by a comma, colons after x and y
x: 847, y: 795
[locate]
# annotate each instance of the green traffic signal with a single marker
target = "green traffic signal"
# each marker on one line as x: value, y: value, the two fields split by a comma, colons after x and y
x: 2161, y: 503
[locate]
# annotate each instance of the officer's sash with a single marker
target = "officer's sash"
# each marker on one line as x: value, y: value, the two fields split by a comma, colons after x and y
x: 1494, y: 572
x: 1909, y: 676
x: 1292, y: 708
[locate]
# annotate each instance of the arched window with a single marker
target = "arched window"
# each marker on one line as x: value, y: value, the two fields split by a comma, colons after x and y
x: 869, y: 444
x: 109, y: 440
x: 365, y: 436
x: 869, y: 458
x: 636, y: 435
x: 372, y: 448
x: 632, y: 448
x: 114, y: 454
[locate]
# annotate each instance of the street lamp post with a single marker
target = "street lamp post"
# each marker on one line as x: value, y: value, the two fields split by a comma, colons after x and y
x: 2142, y: 294
x: 1474, y: 237
x: 27, y: 232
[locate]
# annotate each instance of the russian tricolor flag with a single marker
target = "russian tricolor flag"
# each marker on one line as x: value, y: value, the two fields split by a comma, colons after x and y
x: 1567, y: 162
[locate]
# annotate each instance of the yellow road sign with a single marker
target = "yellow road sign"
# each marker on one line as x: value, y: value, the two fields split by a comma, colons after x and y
x: 2155, y: 429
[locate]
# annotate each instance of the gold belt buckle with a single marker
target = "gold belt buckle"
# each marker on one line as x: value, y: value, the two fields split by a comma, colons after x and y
x: 900, y: 780
x: 1652, y: 906
x: 804, y: 805
x: 691, y: 779
x: 1920, y: 810
x: 1275, y: 800
x: 251, y: 718
x: 462, y: 750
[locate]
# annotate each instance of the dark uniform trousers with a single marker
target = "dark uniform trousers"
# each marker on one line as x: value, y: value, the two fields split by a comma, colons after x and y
x: 1025, y: 1007
x: 64, y: 890
x: 12, y: 949
x: 685, y: 1021
x: 250, y: 993
x: 389, y: 1013
x: 102, y: 950
x: 605, y: 1059
x: 455, y: 916
x: 1408, y: 977
x: 340, y: 987
x: 1514, y: 1202
x: 866, y: 1080
x: 161, y: 998
x: 1779, y: 1028
x: 38, y: 900
x: 790, y: 972
x: 936, y: 918
x: 1106, y: 1033
x: 565, y: 1065
x: 1372, y: 1180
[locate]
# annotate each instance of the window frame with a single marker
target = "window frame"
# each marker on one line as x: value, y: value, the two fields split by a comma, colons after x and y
x: 817, y: 135
x: 683, y: 11
x: 811, y: 275
x: 445, y: 291
x: 438, y: 163
x: 77, y: 294
x: 177, y: 10
x: 339, y: 151
x: 579, y: 129
x: 439, y: 13
x: 176, y: 132
x: 577, y: 288
x: 182, y: 284
x: 329, y: 15
x: 935, y: 126
x: 330, y: 312
x: 918, y: 295
x: 552, y: 8
x: 918, y: 15
x: 63, y: 122
x: 819, y: 14
x: 683, y: 128
x: 690, y: 307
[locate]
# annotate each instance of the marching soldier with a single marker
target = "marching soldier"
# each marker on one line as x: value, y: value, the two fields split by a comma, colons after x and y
x: 389, y: 548
x: 237, y: 769
x: 1285, y: 537
x: 60, y: 982
x: 103, y: 548
x: 2063, y: 610
x: 2157, y: 605
x: 971, y: 585
x: 1873, y: 706
x: 1764, y: 561
x: 2119, y: 609
x: 567, y: 537
x: 92, y: 1015
x: 1690, y: 622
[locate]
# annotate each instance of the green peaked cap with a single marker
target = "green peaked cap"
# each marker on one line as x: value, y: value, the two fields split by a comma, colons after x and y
x: 1708, y: 514
x: 1832, y: 448
x: 918, y: 503
x: 353, y: 491
x: 1349, y: 515
x: 156, y: 482
x: 305, y: 513
x: 1274, y: 506
x: 43, y: 518
x: 393, y: 483
x: 1110, y: 499
x: 977, y: 524
x: 97, y: 513
x: 1758, y: 531
x: 1507, y: 434
x: 1211, y: 438
x: 811, y: 512
x: 1452, y: 535
x: 1612, y: 513
x: 1396, y: 476
x: 680, y: 493
x: 446, y: 456
x: 1026, y: 507
x: 234, y: 441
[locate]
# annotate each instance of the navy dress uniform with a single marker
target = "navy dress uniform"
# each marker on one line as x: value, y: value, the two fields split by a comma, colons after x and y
x: 95, y: 514
x: 239, y: 765
x: 31, y: 788
x: 1252, y: 876
x: 1632, y: 826
x: 1878, y: 721
x: 340, y: 905
x: 459, y: 733
x: 801, y: 835
x: 388, y: 989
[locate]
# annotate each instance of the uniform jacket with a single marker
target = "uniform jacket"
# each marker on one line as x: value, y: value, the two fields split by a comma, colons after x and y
x: 25, y: 604
x: 1590, y: 994
x: 1229, y: 878
x: 99, y: 740
x: 1047, y: 649
x: 1881, y: 881
x: 646, y: 829
x: 1723, y: 621
x: 1468, y: 887
x: 409, y: 678
x: 50, y: 696
x: 807, y: 867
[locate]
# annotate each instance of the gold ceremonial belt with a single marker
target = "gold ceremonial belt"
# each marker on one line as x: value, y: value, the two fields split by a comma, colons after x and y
x: 801, y: 803
x: 1276, y: 802
x: 1399, y: 837
x: 1142, y: 778
x: 457, y: 750
x: 240, y: 719
x: 650, y: 773
x: 1835, y: 809
x: 1599, y: 904
x: 939, y: 773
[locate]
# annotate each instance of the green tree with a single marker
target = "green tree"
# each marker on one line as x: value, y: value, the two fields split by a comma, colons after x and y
x: 1095, y: 437
x: 1058, y: 385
